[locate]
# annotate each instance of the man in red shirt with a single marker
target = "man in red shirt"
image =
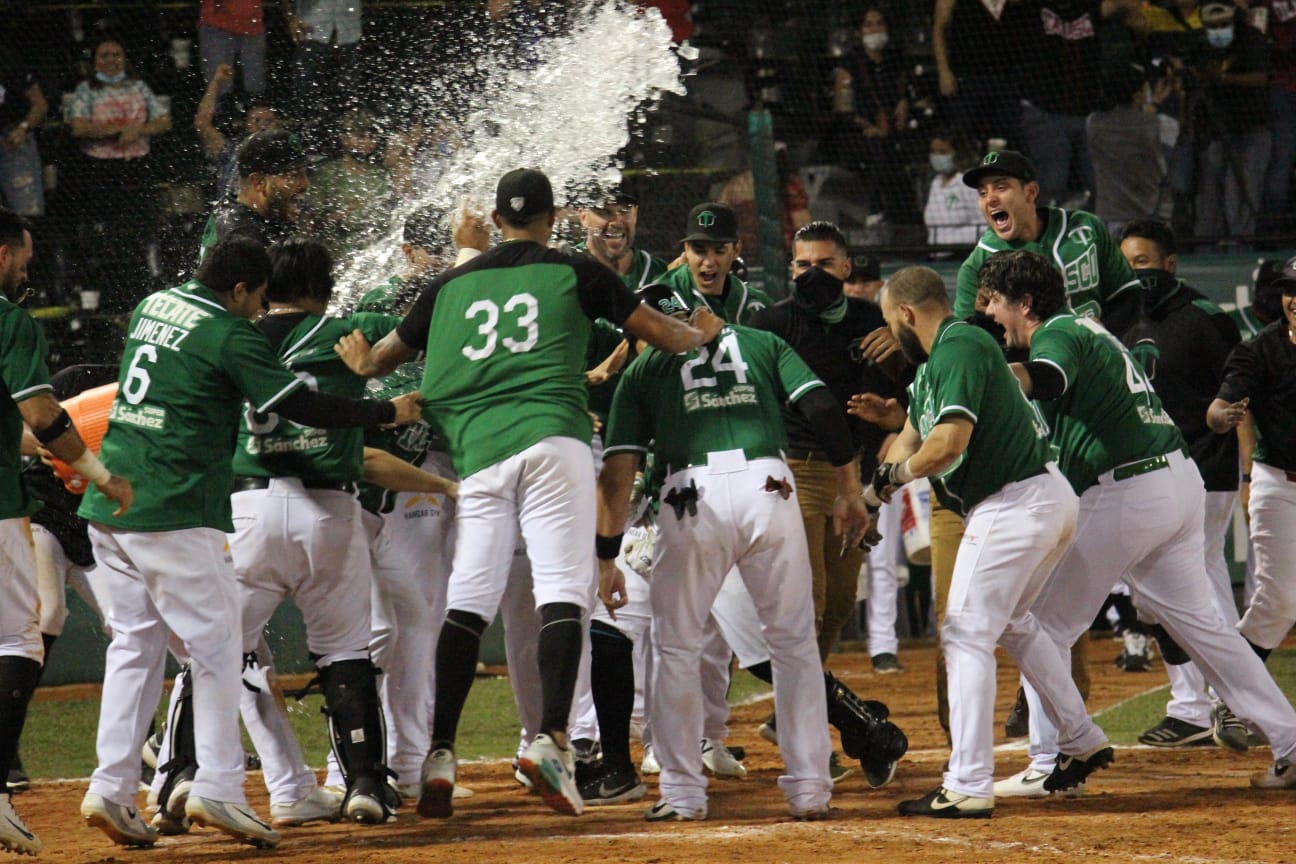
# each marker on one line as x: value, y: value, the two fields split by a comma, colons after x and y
x: 229, y: 31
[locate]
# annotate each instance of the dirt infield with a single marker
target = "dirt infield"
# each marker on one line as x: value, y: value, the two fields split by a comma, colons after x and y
x: 1180, y: 805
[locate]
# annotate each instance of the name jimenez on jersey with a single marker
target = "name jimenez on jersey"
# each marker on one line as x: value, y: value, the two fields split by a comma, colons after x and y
x: 164, y: 322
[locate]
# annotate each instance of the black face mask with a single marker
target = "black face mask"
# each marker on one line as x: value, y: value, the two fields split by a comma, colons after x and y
x: 816, y: 289
x: 1159, y: 284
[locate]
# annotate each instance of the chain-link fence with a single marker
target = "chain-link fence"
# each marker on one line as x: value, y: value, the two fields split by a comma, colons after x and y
x: 861, y: 113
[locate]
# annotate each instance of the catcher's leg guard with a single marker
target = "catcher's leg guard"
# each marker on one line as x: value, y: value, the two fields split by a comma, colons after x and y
x: 180, y: 761
x: 866, y: 733
x: 356, y: 727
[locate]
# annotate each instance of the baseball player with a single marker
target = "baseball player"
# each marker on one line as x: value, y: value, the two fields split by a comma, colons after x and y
x: 981, y: 444
x: 1192, y: 338
x: 1140, y: 519
x: 28, y: 398
x: 191, y: 357
x: 1098, y: 280
x: 1258, y: 398
x: 505, y: 336
x: 704, y: 279
x: 272, y: 186
x: 714, y: 416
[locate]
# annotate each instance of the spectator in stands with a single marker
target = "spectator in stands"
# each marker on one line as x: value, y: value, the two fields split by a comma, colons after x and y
x: 1278, y: 179
x: 112, y: 115
x: 976, y: 68
x: 22, y: 109
x: 220, y: 150
x: 865, y: 280
x: 230, y: 31
x: 739, y: 192
x: 1061, y: 84
x: 1128, y: 153
x: 350, y: 196
x: 1233, y: 124
x: 953, y: 213
x: 874, y: 73
x: 327, y: 35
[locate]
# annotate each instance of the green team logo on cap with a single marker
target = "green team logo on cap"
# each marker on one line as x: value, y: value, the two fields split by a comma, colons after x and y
x: 706, y: 218
x: 991, y: 158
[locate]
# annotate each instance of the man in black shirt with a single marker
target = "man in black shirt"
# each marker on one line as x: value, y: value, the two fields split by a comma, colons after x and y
x: 1192, y: 338
x: 1258, y: 397
x: 272, y: 183
x: 822, y: 325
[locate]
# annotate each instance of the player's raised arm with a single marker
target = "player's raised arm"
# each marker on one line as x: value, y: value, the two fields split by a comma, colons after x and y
x: 670, y: 335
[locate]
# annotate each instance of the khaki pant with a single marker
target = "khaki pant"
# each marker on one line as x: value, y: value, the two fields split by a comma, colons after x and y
x: 835, y: 576
x: 946, y: 535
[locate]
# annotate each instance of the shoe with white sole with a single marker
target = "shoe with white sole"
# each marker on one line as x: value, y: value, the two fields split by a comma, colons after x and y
x: 649, y: 765
x: 940, y: 803
x: 120, y: 822
x: 237, y: 820
x: 437, y: 785
x: 613, y: 787
x: 663, y: 811
x: 1279, y: 775
x: 15, y: 836
x: 319, y: 805
x: 365, y: 802
x: 1227, y: 730
x: 717, y: 759
x: 1030, y: 784
x: 167, y: 825
x: 552, y: 771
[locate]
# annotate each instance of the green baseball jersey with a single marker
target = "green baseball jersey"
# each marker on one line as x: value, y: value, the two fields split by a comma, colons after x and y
x: 1245, y: 319
x: 967, y: 376
x: 726, y: 395
x: 506, y: 335
x: 737, y: 304
x: 645, y: 269
x: 1078, y: 244
x: 188, y: 365
x: 271, y: 446
x: 1109, y: 414
x: 22, y: 375
x: 410, y: 442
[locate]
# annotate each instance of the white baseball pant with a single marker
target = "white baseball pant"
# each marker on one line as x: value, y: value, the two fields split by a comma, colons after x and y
x: 20, y: 634
x: 1273, y: 542
x: 884, y: 584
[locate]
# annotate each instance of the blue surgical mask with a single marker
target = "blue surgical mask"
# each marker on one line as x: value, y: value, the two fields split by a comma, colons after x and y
x: 874, y: 41
x: 111, y: 79
x: 942, y: 163
x: 1220, y: 38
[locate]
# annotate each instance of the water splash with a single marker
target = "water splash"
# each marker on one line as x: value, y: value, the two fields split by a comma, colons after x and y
x: 564, y: 107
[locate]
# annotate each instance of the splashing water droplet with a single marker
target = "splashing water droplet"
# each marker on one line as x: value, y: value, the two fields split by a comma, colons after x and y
x: 564, y: 108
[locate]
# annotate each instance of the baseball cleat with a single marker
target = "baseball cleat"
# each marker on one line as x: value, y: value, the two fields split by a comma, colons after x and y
x: 15, y: 836
x: 1173, y: 732
x: 121, y: 823
x: 940, y: 803
x: 769, y: 730
x: 879, y: 774
x: 717, y: 759
x: 810, y: 814
x: 613, y: 787
x: 364, y: 802
x: 17, y: 781
x: 886, y: 664
x: 553, y: 773
x: 175, y: 802
x: 1071, y: 771
x: 236, y: 820
x: 1279, y: 775
x: 437, y: 793
x: 319, y: 805
x: 1017, y: 724
x: 649, y: 765
x: 1227, y: 730
x: 167, y: 826
x: 1030, y: 784
x: 837, y: 772
x: 664, y: 811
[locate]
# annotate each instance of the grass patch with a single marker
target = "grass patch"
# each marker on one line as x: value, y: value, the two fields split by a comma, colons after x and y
x: 1124, y: 721
x: 59, y: 738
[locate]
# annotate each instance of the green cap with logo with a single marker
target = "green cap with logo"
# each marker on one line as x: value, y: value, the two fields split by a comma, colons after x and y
x: 712, y: 222
x: 1004, y: 163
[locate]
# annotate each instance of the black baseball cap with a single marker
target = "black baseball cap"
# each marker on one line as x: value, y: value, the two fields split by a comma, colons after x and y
x: 712, y: 222
x: 274, y: 151
x: 523, y: 194
x: 1008, y: 163
x: 1286, y: 280
x: 866, y: 267
x: 664, y: 299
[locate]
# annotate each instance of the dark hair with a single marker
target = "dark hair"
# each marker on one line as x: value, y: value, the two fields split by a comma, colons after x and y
x: 917, y: 286
x: 300, y: 268
x: 1155, y: 230
x: 12, y: 227
x: 1016, y: 275
x: 423, y: 229
x: 100, y: 38
x: 233, y: 260
x: 814, y: 232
